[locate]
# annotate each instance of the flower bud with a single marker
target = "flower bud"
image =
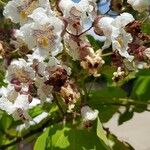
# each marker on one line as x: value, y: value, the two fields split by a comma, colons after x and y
x: 17, y: 88
x: 97, y: 29
x: 88, y: 114
x: 30, y: 98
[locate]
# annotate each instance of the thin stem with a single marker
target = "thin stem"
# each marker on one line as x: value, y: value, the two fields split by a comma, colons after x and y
x: 107, y: 11
x: 107, y: 54
x: 145, y: 19
x: 90, y: 88
x: 133, y: 101
x: 122, y: 104
x: 125, y: 101
x: 78, y: 35
x: 70, y: 33
x: 86, y: 30
x: 59, y: 106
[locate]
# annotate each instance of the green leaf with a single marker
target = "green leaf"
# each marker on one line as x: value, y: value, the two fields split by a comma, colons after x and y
x: 68, y: 138
x: 5, y: 122
x: 107, y: 112
x: 107, y: 95
x: 2, y: 77
x: 41, y: 141
x: 95, y: 43
x: 125, y: 116
x: 146, y: 27
x: 104, y: 100
x: 143, y: 72
x: 141, y: 88
x: 35, y: 111
x: 116, y: 144
x: 14, y: 147
x: 108, y: 71
x: 102, y: 135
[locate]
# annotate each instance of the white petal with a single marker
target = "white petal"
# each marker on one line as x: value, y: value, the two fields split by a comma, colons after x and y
x: 22, y: 102
x: 10, y: 11
x: 88, y: 114
x: 6, y: 105
x: 122, y: 20
x: 139, y: 5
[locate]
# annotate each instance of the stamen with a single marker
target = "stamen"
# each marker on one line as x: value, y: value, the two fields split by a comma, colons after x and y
x: 27, y: 7
x: 45, y: 35
x: 120, y: 40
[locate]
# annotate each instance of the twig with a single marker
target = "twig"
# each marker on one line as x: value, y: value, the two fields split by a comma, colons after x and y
x: 91, y: 85
x: 107, y: 54
x: 59, y: 106
x: 85, y: 30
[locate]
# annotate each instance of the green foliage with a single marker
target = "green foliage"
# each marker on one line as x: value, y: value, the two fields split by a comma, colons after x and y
x: 146, y: 27
x: 36, y: 111
x: 5, y: 122
x: 95, y: 43
x: 141, y: 86
x: 102, y: 135
x: 68, y: 137
x: 2, y: 76
x: 116, y: 144
x: 106, y: 101
x: 125, y: 116
x: 58, y: 137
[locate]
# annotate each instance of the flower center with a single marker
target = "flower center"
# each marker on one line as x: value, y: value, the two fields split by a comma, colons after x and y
x: 22, y: 75
x: 120, y: 41
x: 45, y: 36
x: 75, y: 12
x: 26, y: 7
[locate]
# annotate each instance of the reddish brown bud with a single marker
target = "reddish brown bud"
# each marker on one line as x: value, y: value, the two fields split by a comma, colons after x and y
x: 17, y: 88
x: 30, y: 98
x: 96, y: 27
x: 116, y: 5
x: 15, y: 81
x: 57, y: 78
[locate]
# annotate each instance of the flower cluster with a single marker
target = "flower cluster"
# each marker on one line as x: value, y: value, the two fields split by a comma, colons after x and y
x: 48, y: 38
x: 139, y: 5
x: 40, y: 74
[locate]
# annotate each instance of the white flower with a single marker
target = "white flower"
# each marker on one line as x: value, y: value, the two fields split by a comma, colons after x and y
x: 139, y: 5
x: 16, y: 107
x: 118, y: 74
x: 105, y: 24
x: 44, y: 67
x: 141, y: 65
x: 43, y: 33
x: 77, y: 14
x: 115, y: 33
x: 135, y: 65
x: 18, y: 10
x: 120, y: 41
x: 92, y: 62
x: 39, y: 54
x: 72, y: 47
x: 20, y: 70
x: 9, y: 92
x: 88, y: 114
x: 43, y: 91
x: 33, y: 122
x: 147, y: 53
x: 122, y: 20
